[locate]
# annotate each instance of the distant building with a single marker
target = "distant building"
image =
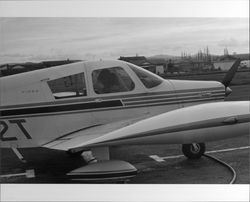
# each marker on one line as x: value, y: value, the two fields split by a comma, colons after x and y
x: 16, y: 68
x: 171, y: 67
x: 159, y: 69
x: 137, y: 60
x: 160, y: 65
x: 140, y: 61
x: 245, y: 64
x: 225, y: 63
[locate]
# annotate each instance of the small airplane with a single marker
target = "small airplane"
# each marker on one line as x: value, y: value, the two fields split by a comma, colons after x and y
x: 89, y: 106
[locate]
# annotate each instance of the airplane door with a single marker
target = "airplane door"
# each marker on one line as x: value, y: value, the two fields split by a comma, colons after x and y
x: 71, y: 105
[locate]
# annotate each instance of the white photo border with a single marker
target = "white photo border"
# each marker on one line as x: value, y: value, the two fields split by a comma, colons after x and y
x: 124, y: 8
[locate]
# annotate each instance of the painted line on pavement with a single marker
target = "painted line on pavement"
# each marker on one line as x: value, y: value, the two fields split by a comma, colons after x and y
x: 27, y: 174
x: 157, y: 158
x: 162, y: 159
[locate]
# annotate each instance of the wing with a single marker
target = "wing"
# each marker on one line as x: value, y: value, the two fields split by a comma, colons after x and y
x: 199, y: 123
x: 79, y: 138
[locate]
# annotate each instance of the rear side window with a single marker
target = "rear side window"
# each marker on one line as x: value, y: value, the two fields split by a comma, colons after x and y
x: 111, y: 80
x: 149, y: 79
x: 69, y: 86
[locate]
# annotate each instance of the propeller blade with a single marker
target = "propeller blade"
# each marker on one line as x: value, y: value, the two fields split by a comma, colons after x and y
x: 231, y: 72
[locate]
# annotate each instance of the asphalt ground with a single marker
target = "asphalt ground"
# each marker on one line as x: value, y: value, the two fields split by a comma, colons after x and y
x: 50, y: 166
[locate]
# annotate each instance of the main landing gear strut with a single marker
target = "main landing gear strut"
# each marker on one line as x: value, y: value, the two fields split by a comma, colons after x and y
x: 91, y: 156
x: 193, y: 151
x: 86, y: 155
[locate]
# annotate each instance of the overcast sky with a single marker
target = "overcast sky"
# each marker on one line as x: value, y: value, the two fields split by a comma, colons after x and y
x: 37, y: 39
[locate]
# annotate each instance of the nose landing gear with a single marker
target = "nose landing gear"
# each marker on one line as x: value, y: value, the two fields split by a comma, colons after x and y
x: 193, y: 151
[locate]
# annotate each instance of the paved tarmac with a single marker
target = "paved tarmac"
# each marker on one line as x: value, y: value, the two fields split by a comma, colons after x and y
x: 51, y: 166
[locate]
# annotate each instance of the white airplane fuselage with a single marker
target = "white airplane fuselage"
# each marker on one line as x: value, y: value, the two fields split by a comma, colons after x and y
x: 33, y: 115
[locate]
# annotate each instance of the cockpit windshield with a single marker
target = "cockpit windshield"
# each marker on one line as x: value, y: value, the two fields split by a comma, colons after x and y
x: 149, y: 79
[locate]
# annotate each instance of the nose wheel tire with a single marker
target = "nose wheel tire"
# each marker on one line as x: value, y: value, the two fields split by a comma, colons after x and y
x: 193, y: 151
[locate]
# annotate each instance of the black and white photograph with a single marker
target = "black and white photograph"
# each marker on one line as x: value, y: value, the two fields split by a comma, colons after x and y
x: 125, y: 100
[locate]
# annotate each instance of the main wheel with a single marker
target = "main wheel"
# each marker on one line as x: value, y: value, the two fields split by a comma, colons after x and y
x: 193, y: 151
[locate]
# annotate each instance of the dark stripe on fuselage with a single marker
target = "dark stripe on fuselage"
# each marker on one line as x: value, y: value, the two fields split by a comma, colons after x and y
x: 138, y: 100
x: 173, y: 99
x: 127, y: 97
x: 151, y: 104
x: 173, y: 95
x: 63, y: 108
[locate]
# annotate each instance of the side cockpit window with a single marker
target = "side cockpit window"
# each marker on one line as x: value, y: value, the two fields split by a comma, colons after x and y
x: 111, y: 80
x: 148, y: 79
x: 69, y: 86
